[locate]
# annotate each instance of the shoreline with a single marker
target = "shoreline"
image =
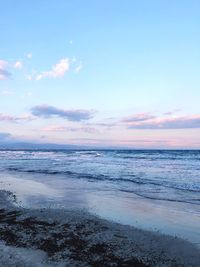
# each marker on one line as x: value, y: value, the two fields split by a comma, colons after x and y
x: 41, y: 191
x: 77, y: 238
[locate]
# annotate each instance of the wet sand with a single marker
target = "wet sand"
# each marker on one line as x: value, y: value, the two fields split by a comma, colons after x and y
x: 76, y: 238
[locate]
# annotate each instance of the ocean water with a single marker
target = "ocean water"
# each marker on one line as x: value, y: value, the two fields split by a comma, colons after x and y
x: 151, y: 189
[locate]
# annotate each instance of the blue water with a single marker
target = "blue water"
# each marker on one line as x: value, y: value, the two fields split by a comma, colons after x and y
x: 166, y: 175
x: 120, y: 185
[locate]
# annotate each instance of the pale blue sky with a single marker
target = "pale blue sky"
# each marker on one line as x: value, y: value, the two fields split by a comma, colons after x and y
x: 132, y: 66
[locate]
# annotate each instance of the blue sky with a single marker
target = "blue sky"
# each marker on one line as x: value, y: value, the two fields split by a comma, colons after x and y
x: 102, y: 73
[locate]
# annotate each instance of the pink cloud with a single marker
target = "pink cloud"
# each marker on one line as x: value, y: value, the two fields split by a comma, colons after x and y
x: 184, y: 122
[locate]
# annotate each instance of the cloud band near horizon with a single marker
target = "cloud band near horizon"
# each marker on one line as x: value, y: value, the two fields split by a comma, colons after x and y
x: 146, y: 122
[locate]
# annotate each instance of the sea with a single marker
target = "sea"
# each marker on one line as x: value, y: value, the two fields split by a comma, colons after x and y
x: 155, y: 190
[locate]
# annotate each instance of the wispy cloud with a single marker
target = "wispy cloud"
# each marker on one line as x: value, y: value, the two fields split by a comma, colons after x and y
x: 57, y: 71
x: 47, y: 111
x: 4, y: 73
x: 79, y: 67
x: 29, y: 77
x: 10, y: 118
x: 29, y: 55
x: 6, y: 93
x: 139, y: 118
x: 84, y: 129
x: 5, y: 117
x: 173, y: 112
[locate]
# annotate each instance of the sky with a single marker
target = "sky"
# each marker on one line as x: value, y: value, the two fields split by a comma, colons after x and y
x: 101, y: 73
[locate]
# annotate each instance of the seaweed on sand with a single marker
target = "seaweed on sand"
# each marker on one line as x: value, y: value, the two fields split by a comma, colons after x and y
x: 62, y: 241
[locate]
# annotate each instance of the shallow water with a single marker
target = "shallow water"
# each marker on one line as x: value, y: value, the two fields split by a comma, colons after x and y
x: 156, y: 190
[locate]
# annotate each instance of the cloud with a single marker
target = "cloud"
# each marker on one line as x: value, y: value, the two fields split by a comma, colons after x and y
x: 57, y: 71
x: 18, y: 65
x: 29, y: 55
x: 79, y: 67
x: 29, y: 94
x: 9, y: 118
x: 71, y: 115
x: 29, y: 77
x: 186, y: 122
x: 4, y: 117
x: 3, y: 64
x: 4, y: 74
x: 172, y: 112
x: 84, y: 129
x: 139, y: 117
x: 6, y: 93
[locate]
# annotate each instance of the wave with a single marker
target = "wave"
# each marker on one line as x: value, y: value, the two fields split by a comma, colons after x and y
x: 41, y: 171
x: 88, y: 153
x: 191, y: 201
x: 103, y: 177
